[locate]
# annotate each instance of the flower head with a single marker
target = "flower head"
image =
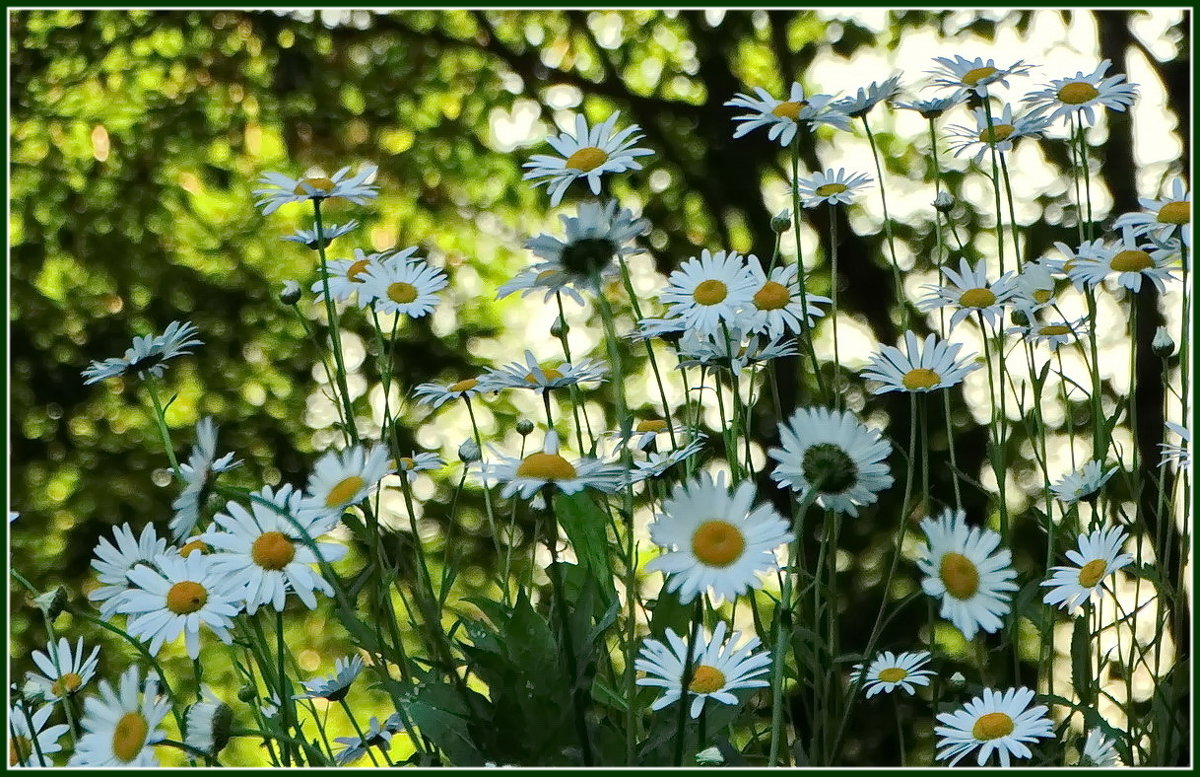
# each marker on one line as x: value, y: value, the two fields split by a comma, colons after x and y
x: 965, y: 567
x: 201, y: 465
x: 868, y: 97
x: 406, y: 288
x: 526, y: 476
x: 1098, y: 751
x: 712, y: 290
x: 999, y: 135
x: 208, y: 723
x: 1081, y: 94
x: 593, y: 238
x: 994, y: 722
x: 437, y: 394
x: 120, y: 726
x: 1099, y: 556
x: 530, y: 375
x: 777, y: 306
x: 114, y: 559
x: 1125, y: 261
x: 278, y: 189
x: 336, y: 686
x: 587, y: 154
x: 974, y: 75
x: 785, y: 117
x: 831, y: 187
x: 347, y: 277
x: 933, y: 107
x: 889, y: 672
x: 1082, y: 483
x: 1178, y: 453
x: 147, y: 354
x: 1164, y: 218
x: 377, y: 735
x: 26, y: 727
x: 330, y: 232
x: 344, y: 478
x: 969, y: 292
x: 64, y: 673
x: 918, y: 368
x: 409, y: 466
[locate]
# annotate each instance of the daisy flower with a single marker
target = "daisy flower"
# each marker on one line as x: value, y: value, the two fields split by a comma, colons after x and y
x: 1098, y: 751
x: 1033, y: 287
x: 967, y: 571
x: 200, y: 466
x: 592, y: 239
x: 119, y: 727
x: 336, y: 686
x: 278, y: 189
x: 1177, y: 453
x: 308, y: 237
x: 646, y: 432
x: 1099, y: 555
x: 24, y: 728
x: 1080, y: 94
x: 530, y: 375
x: 999, y: 722
x: 658, y: 462
x: 999, y: 136
x: 832, y: 186
x: 784, y: 117
x: 1163, y: 218
x: 147, y: 354
x: 715, y: 541
x: 344, y: 478
x: 717, y: 669
x: 64, y: 672
x: 408, y: 288
x: 1052, y: 334
x: 208, y: 723
x: 347, y: 276
x: 734, y: 352
x: 409, y: 466
x: 546, y: 277
x: 268, y: 550
x: 889, y: 672
x: 974, y: 74
x: 1082, y: 483
x: 588, y: 153
x: 777, y: 305
x: 868, y: 97
x: 1066, y: 266
x: 934, y: 107
x: 437, y: 394
x: 929, y: 368
x: 112, y: 561
x: 182, y: 594
x: 1126, y: 261
x: 832, y: 453
x: 970, y: 292
x: 377, y: 735
x: 527, y: 476
x: 706, y: 292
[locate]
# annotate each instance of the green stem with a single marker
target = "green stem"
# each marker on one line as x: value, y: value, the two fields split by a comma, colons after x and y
x: 335, y: 339
x: 806, y: 335
x: 160, y: 418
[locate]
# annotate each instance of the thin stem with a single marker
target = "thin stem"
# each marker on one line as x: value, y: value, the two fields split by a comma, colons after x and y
x: 351, y: 429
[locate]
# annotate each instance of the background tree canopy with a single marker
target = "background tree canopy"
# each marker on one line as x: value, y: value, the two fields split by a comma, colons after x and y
x: 137, y: 137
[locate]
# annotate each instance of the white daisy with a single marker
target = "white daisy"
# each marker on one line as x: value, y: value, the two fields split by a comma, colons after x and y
x: 180, y: 595
x: 409, y: 466
x: 1125, y: 260
x: 148, y: 353
x: 268, y: 549
x: 530, y: 375
x: 112, y: 561
x: 1000, y: 722
x: 647, y: 431
x: 777, y: 306
x: 405, y: 288
x: 923, y: 368
x: 970, y: 292
x: 784, y: 117
x: 732, y: 353
x: 119, y: 727
x: 1066, y: 266
x: 1178, y: 453
x: 26, y: 727
x: 208, y: 723
x: 344, y: 478
x: 1082, y: 483
x: 966, y: 568
x: 1098, y: 751
x: 201, y: 464
x: 1099, y: 555
x: 586, y: 154
x: 715, y: 541
x: 347, y: 276
x: 547, y: 467
x: 833, y: 453
x: 1080, y: 94
x: 336, y: 686
x: 890, y: 671
x: 592, y: 239
x: 546, y: 277
x: 437, y: 394
x: 868, y: 97
x: 710, y: 291
x: 279, y: 189
x: 999, y: 136
x: 974, y: 74
x: 933, y: 107
x: 831, y: 187
x: 1053, y: 334
x: 717, y: 669
x: 377, y: 735
x: 1163, y: 218
x: 1034, y: 287
x: 329, y: 233
x: 64, y: 672
x: 658, y: 462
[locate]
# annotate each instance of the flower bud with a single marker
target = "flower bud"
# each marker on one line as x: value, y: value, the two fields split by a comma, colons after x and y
x: 53, y: 602
x: 559, y: 327
x: 1162, y: 344
x: 782, y: 221
x: 290, y: 294
x: 944, y: 202
x: 1019, y: 317
x: 469, y: 451
x: 957, y: 680
x: 524, y: 427
x: 247, y: 693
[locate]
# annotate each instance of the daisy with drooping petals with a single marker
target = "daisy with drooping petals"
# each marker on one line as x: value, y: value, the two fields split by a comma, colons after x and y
x: 336, y: 686
x: 26, y: 727
x: 974, y: 74
x: 889, y: 672
x: 966, y: 568
x: 1162, y: 219
x: 547, y: 467
x: 732, y: 349
x: 593, y: 238
x: 344, y: 478
x: 208, y: 723
x: 269, y: 549
x: 1099, y: 556
x: 308, y: 237
x: 119, y: 727
x: 932, y: 108
x: 831, y: 187
x: 717, y: 669
x: 995, y: 721
x: 1082, y: 483
x: 999, y: 136
x: 971, y: 293
x: 1033, y: 287
x: 923, y: 368
x: 1098, y: 751
x: 868, y: 97
x: 715, y: 541
x: 545, y: 277
x: 279, y: 189
x: 777, y: 306
x: 112, y: 561
x: 646, y: 432
x: 710, y: 291
x: 63, y: 672
x: 785, y: 117
x: 179, y: 595
x: 1177, y: 453
x: 832, y: 453
x: 377, y: 735
x: 588, y: 154
x: 436, y: 394
x: 200, y: 466
x: 1125, y: 261
x: 1080, y: 94
x: 404, y: 288
x: 658, y: 462
x: 147, y: 354
x: 530, y: 375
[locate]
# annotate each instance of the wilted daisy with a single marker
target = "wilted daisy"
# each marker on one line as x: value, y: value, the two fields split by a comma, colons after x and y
x: 1080, y: 94
x: 112, y: 561
x: 200, y: 466
x: 784, y: 117
x: 588, y: 153
x: 1177, y: 453
x: 404, y: 288
x: 278, y: 189
x: 658, y: 462
x: 919, y: 368
x: 1164, y: 218
x: 974, y: 74
x: 208, y: 724
x: 966, y: 568
x: 933, y: 107
x: 995, y: 721
x: 547, y: 467
x: 120, y: 726
x: 777, y: 306
x: 437, y: 394
x: 969, y: 292
x: 409, y: 466
x: 868, y: 97
x: 147, y: 354
x: 645, y: 433
x: 377, y: 735
x: 999, y: 136
x: 593, y: 238
x: 831, y: 187
x: 308, y: 237
x: 733, y: 349
x: 21, y: 748
x: 180, y: 595
x: 717, y: 669
x: 1126, y: 261
x: 715, y: 541
x: 530, y: 375
x: 1099, y: 556
x: 1098, y: 750
x: 890, y: 671
x: 63, y: 672
x: 706, y: 292
x: 267, y: 550
x: 1082, y: 483
x: 336, y: 686
x: 344, y: 478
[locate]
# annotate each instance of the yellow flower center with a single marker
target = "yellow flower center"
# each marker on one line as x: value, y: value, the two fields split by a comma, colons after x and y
x: 192, y: 547
x: 129, y: 736
x: 545, y: 275
x: 789, y: 110
x: 651, y: 425
x: 587, y: 159
x: 272, y: 550
x: 20, y: 750
x: 772, y: 296
x: 1077, y: 93
x: 1179, y: 212
x: 320, y: 184
x: 1042, y: 296
x: 68, y: 683
x: 995, y: 133
x: 186, y: 597
x: 1055, y: 329
x: 921, y: 378
x: 1131, y: 261
x: 1092, y: 572
x: 977, y: 298
x: 358, y: 268
x: 718, y: 543
x: 406, y: 462
x: 464, y: 385
x: 710, y: 292
x: 992, y: 726
x: 545, y: 466
x: 402, y: 293
x: 706, y: 679
x: 344, y: 491
x: 831, y: 188
x: 973, y: 77
x: 959, y: 575
x: 549, y: 372
x: 893, y: 674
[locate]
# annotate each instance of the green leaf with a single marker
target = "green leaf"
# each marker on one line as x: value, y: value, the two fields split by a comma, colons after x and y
x: 585, y: 524
x: 670, y: 613
x: 1081, y: 651
x: 434, y: 712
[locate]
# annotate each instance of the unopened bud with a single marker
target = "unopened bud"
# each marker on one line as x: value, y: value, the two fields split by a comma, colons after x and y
x: 957, y: 680
x: 944, y: 202
x: 469, y: 451
x: 559, y: 327
x: 1020, y: 317
x: 290, y: 294
x: 782, y: 221
x: 53, y: 602
x: 247, y: 693
x: 524, y: 427
x: 1162, y: 344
